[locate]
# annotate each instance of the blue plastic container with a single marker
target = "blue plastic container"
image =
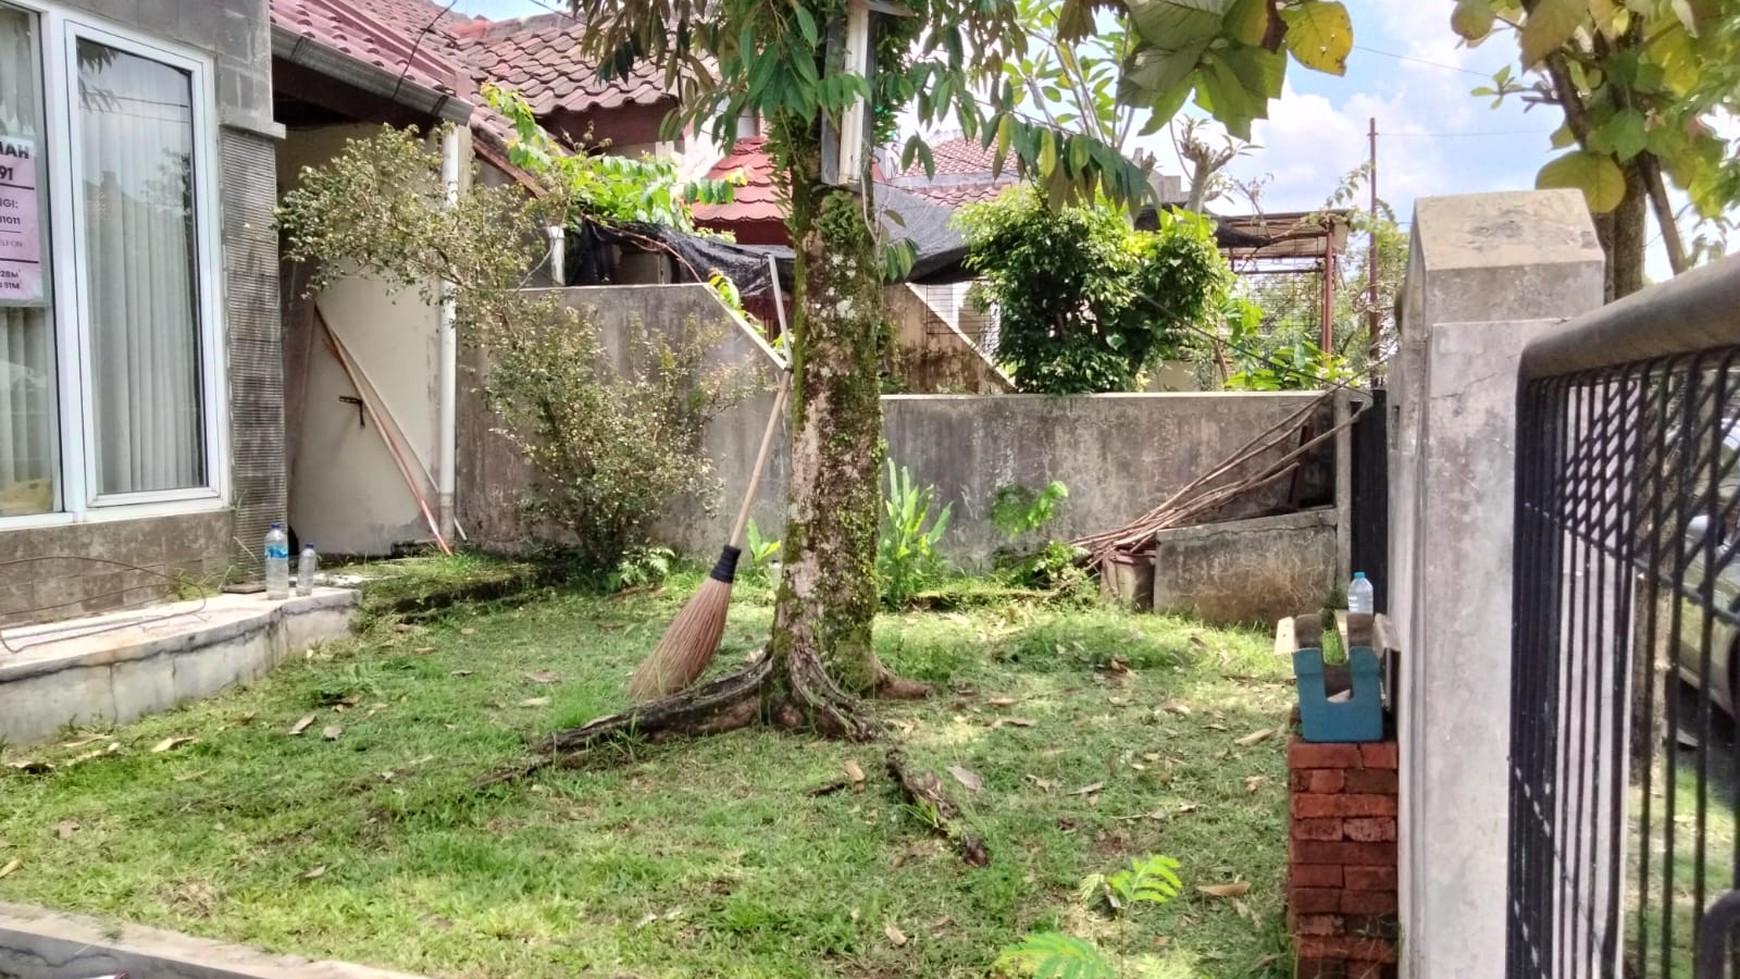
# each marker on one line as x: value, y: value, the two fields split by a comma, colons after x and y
x: 1358, y: 718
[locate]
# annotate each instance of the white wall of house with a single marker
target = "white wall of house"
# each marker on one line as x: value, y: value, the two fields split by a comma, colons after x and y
x: 346, y: 491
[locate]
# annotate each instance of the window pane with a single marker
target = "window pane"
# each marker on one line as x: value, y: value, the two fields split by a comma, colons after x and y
x: 27, y: 374
x: 136, y: 130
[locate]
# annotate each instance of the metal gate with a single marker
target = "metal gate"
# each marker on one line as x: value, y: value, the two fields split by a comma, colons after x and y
x: 1370, y: 533
x: 1626, y: 640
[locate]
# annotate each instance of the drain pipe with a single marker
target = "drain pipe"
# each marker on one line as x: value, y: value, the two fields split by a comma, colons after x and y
x: 448, y: 370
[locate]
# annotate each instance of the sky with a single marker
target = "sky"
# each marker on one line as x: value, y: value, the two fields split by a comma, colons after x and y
x: 1410, y: 72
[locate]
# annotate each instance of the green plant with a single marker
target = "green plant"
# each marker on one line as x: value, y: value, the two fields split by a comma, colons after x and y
x: 906, y: 557
x: 1152, y: 879
x: 1052, y: 955
x: 1056, y: 567
x: 1018, y: 510
x: 762, y: 551
x: 641, y: 567
x: 1086, y: 304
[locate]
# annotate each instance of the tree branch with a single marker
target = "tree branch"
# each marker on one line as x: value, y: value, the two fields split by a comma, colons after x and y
x: 1664, y: 214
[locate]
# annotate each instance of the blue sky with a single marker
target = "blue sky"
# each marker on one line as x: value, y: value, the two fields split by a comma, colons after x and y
x: 1409, y: 72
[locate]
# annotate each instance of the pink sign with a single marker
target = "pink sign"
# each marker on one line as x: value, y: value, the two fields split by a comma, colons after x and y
x: 20, y: 225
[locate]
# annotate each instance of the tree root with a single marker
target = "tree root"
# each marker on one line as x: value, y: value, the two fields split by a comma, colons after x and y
x: 925, y: 791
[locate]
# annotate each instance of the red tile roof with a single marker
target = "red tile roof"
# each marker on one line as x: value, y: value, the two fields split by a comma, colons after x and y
x: 955, y: 195
x: 955, y: 157
x: 401, y: 36
x: 539, y: 57
x: 757, y: 201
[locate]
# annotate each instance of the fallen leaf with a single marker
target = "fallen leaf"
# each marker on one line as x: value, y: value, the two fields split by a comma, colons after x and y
x: 1089, y: 789
x: 854, y: 773
x: 1013, y: 722
x: 968, y: 778
x: 1187, y: 807
x: 32, y: 766
x: 1118, y: 701
x: 424, y: 649
x: 535, y: 702
x: 468, y: 631
x: 543, y: 676
x: 1044, y: 785
x: 303, y: 724
x: 190, y: 776
x: 314, y: 873
x: 1197, y: 643
x: 331, y: 732
x: 170, y: 744
x: 1255, y: 782
x: 1215, y: 727
x: 1255, y: 737
x: 646, y: 919
x: 940, y: 923
x: 1235, y: 889
x: 11, y: 868
x: 460, y: 673
x: 82, y: 741
x: 1264, y: 962
x: 895, y: 935
x: 1151, y: 756
x: 1002, y: 701
x: 389, y: 775
x: 67, y: 828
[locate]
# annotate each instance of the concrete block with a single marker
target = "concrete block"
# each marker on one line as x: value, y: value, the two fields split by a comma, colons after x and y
x: 1247, y: 571
x: 38, y: 707
x: 141, y: 687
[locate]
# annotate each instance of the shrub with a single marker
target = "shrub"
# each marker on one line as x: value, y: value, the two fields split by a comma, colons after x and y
x: 1084, y: 302
x: 906, y: 558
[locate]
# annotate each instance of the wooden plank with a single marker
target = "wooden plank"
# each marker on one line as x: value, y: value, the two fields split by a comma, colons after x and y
x: 1284, y: 637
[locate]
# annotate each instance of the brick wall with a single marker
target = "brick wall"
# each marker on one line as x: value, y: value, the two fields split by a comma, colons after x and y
x: 1341, y: 859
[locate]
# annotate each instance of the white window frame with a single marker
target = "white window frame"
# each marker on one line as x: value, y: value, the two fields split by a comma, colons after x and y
x: 76, y: 496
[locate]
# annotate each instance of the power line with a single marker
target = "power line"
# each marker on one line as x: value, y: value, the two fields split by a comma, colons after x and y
x: 1420, y: 61
x: 1488, y: 132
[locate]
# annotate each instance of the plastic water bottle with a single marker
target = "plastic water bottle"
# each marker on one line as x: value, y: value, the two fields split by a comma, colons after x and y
x: 1360, y: 599
x: 277, y: 563
x: 305, y: 567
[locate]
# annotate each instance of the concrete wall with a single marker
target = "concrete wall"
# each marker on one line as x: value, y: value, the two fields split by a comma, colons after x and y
x: 1252, y: 572
x: 235, y: 34
x: 931, y: 355
x: 346, y: 492
x: 1488, y: 273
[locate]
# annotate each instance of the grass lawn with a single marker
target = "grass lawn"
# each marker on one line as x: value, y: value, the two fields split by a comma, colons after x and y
x: 705, y: 858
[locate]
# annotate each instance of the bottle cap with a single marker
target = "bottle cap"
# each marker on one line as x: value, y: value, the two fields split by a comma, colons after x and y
x: 277, y: 526
x: 1359, y: 574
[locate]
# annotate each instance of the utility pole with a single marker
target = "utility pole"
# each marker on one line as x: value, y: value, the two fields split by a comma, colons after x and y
x: 1372, y: 317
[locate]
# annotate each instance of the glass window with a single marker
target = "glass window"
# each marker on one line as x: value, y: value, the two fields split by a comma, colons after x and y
x: 135, y: 118
x: 28, y: 389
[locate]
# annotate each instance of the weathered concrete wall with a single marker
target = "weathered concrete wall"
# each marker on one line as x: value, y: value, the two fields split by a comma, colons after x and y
x: 74, y: 674
x: 1489, y: 272
x: 65, y: 570
x: 932, y: 356
x: 1250, y: 572
x: 1120, y: 454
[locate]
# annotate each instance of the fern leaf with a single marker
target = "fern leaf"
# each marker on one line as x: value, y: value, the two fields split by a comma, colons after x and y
x: 1051, y: 955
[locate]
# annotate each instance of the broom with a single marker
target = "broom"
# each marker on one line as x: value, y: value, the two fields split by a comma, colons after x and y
x: 692, y: 637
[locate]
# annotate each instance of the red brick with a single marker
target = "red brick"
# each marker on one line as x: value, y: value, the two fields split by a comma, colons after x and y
x: 1318, y: 924
x: 1304, y: 754
x: 1323, y: 806
x: 1368, y: 902
x: 1328, y: 781
x: 1343, y: 853
x: 1366, y: 970
x: 1314, y: 900
x: 1321, y: 969
x: 1317, y: 829
x: 1346, y: 947
x: 1366, y: 830
x: 1370, y: 878
x: 1314, y: 875
x: 1379, y: 754
x: 1371, y: 781
x: 1384, y: 926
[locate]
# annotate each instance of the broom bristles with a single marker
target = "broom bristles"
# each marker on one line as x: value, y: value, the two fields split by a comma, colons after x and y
x: 691, y: 639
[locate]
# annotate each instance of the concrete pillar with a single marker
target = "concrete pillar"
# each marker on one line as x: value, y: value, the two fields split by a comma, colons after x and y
x: 1487, y: 273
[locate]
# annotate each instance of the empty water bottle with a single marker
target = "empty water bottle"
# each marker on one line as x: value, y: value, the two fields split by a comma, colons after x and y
x: 277, y: 563
x: 1360, y: 598
x: 305, y: 567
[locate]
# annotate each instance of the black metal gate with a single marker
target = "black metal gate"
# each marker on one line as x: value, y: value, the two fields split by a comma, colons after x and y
x: 1626, y: 645
x: 1370, y: 541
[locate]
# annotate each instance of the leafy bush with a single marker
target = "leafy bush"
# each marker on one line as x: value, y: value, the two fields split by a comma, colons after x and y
x: 1017, y: 510
x: 906, y: 558
x: 761, y: 551
x: 1052, y: 955
x: 1084, y: 302
x: 1152, y: 880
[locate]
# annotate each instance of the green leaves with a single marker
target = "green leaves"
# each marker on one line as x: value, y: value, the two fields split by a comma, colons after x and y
x: 1247, y: 21
x: 1052, y: 955
x: 1623, y: 134
x: 1175, y: 23
x: 1319, y: 35
x: 906, y: 558
x: 1473, y: 19
x: 1595, y: 174
x: 1548, y: 26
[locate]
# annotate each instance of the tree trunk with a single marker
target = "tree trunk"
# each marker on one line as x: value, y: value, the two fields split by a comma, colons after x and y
x: 828, y: 593
x: 1621, y: 233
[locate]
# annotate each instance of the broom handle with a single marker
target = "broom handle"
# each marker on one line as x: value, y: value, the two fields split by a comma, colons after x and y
x: 773, y: 416
x: 761, y: 459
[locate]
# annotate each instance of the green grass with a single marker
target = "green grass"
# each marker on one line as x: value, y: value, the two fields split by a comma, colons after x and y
x: 695, y: 858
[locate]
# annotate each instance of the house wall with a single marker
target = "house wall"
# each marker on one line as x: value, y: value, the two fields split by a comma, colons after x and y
x: 347, y: 494
x: 64, y: 577
x: 1119, y: 454
x: 932, y: 356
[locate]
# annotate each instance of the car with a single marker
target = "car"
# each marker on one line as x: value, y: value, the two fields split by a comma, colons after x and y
x: 1718, y: 559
